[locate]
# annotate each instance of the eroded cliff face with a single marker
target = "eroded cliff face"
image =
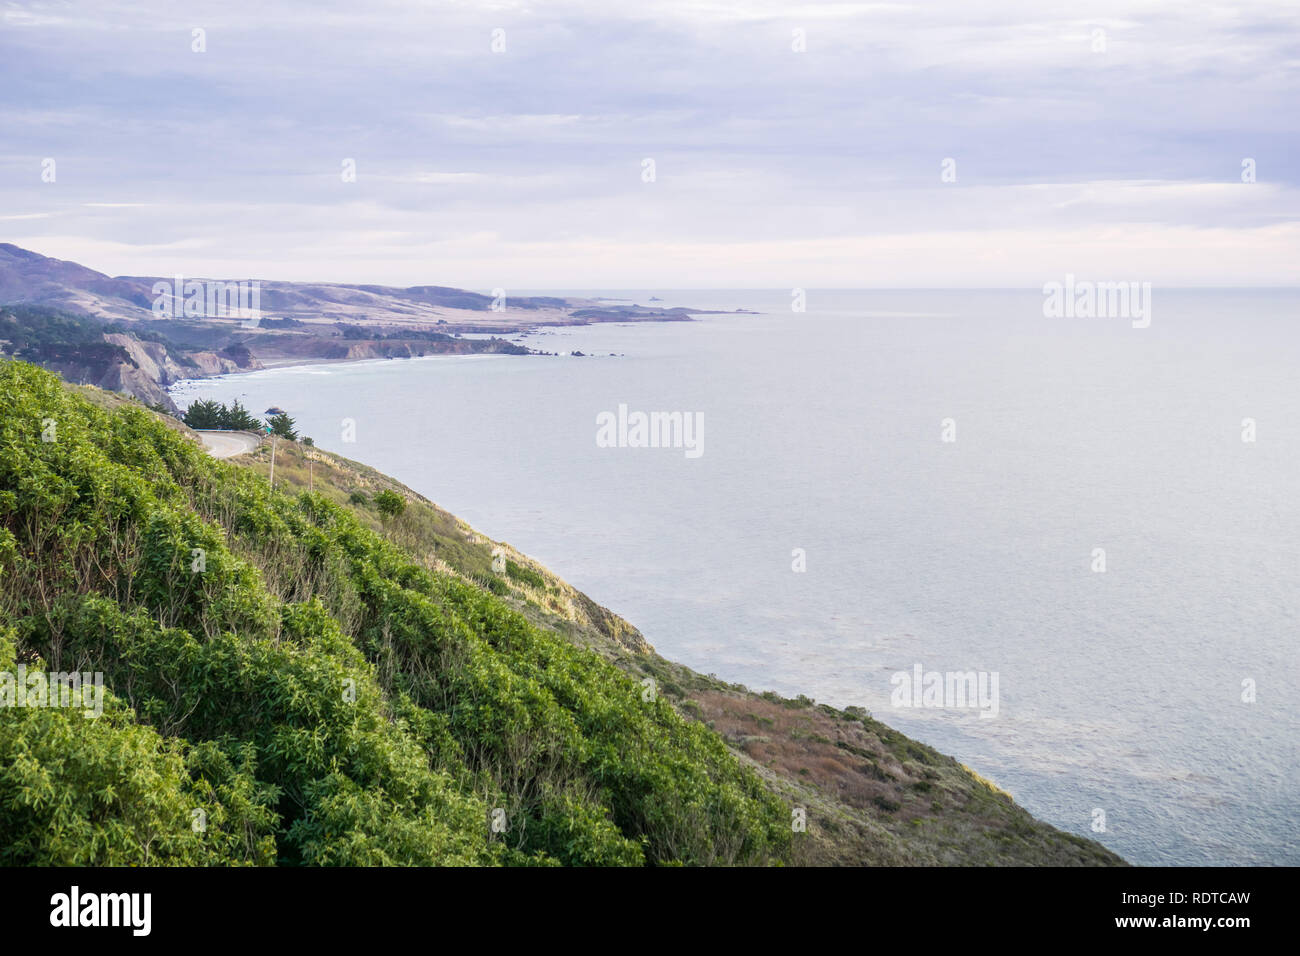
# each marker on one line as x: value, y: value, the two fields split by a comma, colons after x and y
x: 151, y: 368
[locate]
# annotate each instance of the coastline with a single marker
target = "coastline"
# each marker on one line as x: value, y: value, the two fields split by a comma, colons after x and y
x: 1027, y: 757
x: 457, y: 341
x: 810, y: 784
x: 269, y: 363
x: 878, y: 795
x: 724, y: 706
x: 119, y: 334
x: 721, y: 700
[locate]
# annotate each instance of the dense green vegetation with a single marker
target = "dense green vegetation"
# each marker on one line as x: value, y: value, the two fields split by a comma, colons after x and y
x: 210, y: 413
x: 313, y: 691
x: 32, y: 327
x: 390, y: 503
x: 40, y: 334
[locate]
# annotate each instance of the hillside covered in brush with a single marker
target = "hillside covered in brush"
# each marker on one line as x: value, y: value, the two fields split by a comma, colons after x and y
x: 319, y: 684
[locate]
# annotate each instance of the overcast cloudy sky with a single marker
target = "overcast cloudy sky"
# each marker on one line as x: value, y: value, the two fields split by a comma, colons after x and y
x: 773, y: 168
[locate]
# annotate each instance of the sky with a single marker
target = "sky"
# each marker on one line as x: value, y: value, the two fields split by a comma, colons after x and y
x: 804, y: 145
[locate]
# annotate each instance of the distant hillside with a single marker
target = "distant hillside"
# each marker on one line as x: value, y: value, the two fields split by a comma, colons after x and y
x: 116, y: 356
x: 322, y: 680
x: 28, y: 277
x: 197, y: 333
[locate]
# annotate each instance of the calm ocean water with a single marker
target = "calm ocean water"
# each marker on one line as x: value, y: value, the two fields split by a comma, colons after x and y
x: 1118, y: 691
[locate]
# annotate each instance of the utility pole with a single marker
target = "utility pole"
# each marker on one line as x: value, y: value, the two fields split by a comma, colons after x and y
x: 273, y: 438
x: 311, y: 473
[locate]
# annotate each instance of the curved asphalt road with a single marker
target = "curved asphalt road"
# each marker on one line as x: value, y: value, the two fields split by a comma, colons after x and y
x: 220, y: 444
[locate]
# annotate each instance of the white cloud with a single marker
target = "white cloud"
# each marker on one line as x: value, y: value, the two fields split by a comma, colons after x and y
x: 233, y: 156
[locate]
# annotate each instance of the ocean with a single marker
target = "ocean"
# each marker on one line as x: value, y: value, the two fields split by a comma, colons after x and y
x: 1099, y: 521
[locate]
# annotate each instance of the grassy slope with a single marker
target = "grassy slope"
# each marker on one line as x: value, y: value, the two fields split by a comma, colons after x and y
x: 873, y: 795
x: 307, y: 688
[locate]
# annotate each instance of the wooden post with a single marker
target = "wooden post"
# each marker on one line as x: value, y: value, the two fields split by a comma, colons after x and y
x: 273, y: 437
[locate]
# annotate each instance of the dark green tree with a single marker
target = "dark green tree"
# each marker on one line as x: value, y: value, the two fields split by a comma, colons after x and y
x: 237, y: 417
x: 213, y: 414
x: 282, y: 425
x: 205, y: 414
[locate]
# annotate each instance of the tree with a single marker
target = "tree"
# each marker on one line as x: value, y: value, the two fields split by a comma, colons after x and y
x: 282, y: 425
x: 390, y: 503
x: 205, y: 414
x: 213, y: 414
x: 237, y: 417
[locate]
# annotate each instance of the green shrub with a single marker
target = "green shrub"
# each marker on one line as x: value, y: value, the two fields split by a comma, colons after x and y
x: 525, y: 575
x: 319, y: 693
x: 390, y: 503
